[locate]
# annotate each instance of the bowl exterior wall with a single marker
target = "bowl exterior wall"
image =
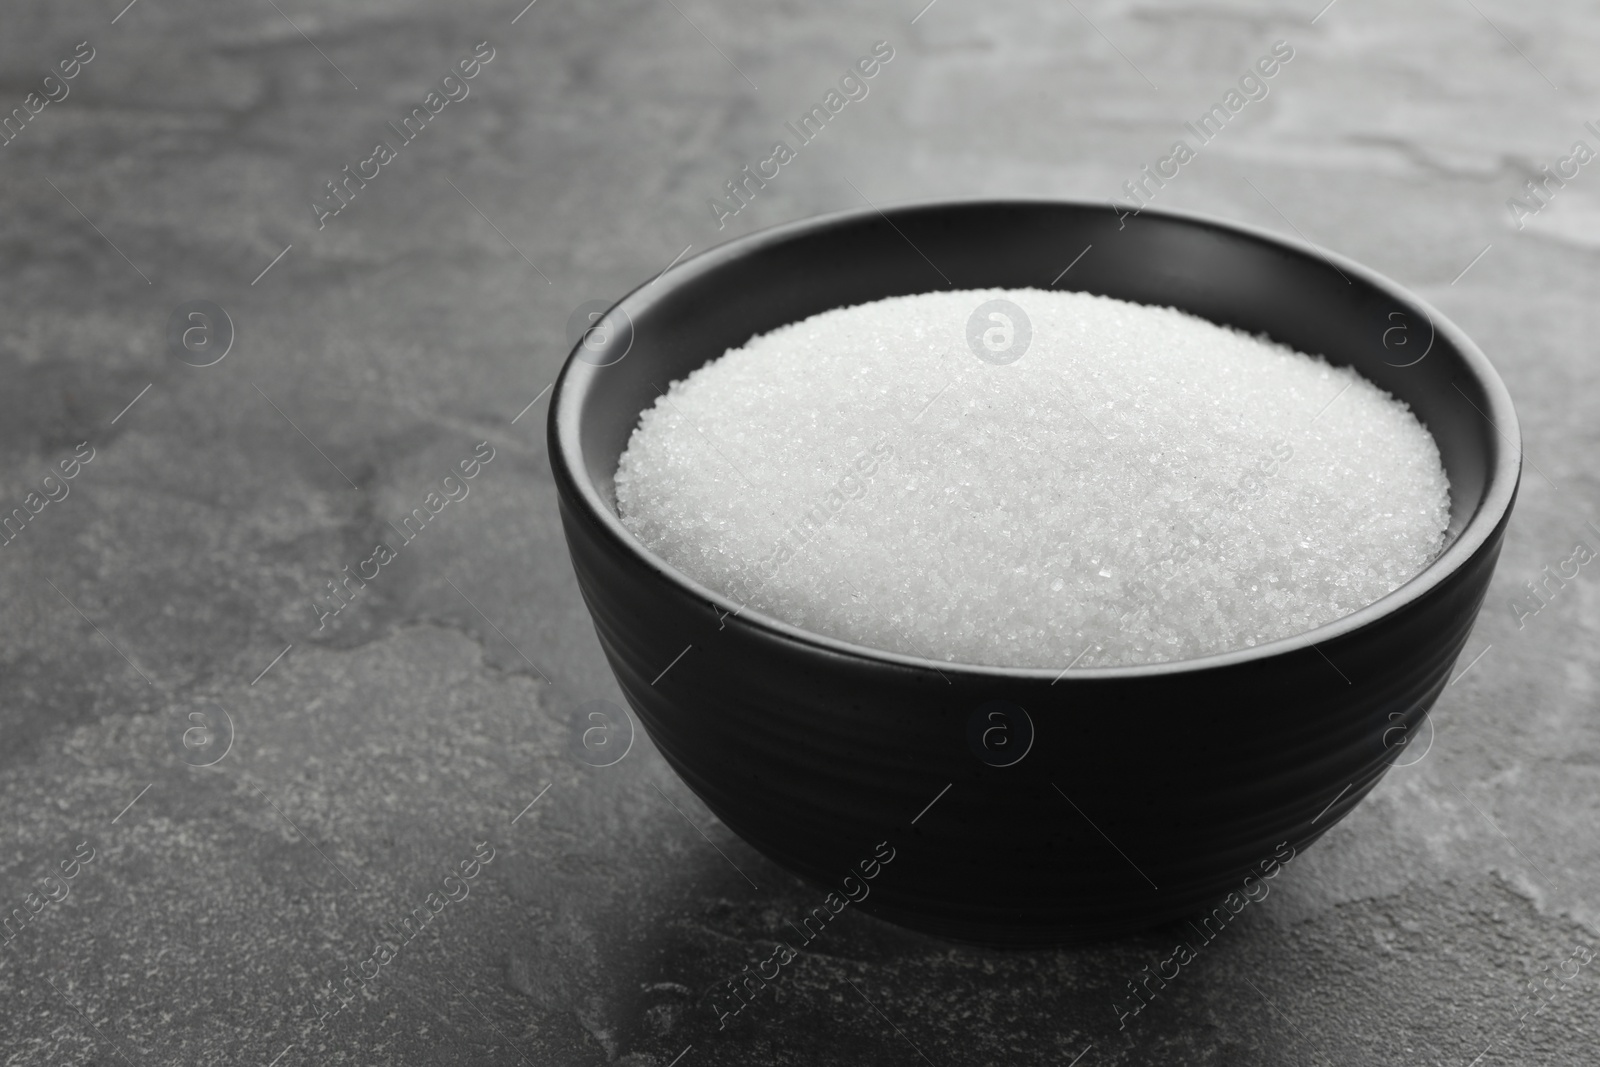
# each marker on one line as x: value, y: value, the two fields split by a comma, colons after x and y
x: 1140, y: 800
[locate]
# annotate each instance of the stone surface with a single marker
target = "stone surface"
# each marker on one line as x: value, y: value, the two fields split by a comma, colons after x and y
x: 371, y: 760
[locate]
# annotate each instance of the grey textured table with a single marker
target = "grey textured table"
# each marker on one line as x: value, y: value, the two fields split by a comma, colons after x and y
x: 210, y: 909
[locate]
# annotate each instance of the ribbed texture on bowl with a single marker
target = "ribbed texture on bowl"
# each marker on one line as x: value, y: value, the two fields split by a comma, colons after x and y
x: 813, y: 757
x: 1148, y: 792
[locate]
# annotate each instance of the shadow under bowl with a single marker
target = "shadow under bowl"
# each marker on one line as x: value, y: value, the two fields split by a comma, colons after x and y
x: 1145, y: 793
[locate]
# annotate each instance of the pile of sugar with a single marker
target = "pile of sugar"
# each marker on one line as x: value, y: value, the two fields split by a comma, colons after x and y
x: 1139, y: 486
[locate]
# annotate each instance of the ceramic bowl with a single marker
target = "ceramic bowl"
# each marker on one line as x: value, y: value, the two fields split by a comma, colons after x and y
x: 1144, y: 793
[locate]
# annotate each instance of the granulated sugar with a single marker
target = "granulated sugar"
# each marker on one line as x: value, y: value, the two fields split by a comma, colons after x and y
x: 1139, y: 486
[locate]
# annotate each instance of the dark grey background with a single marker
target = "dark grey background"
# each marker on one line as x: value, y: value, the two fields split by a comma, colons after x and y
x: 368, y: 761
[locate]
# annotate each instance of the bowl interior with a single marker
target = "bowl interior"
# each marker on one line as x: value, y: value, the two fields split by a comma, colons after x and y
x: 1232, y: 275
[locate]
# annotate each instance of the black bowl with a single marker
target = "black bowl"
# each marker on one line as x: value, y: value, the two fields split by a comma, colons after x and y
x: 1147, y: 792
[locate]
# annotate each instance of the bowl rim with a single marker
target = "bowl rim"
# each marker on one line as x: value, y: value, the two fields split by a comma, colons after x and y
x: 565, y: 448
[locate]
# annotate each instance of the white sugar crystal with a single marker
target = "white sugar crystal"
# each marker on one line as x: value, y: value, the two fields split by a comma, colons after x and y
x: 1140, y: 485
